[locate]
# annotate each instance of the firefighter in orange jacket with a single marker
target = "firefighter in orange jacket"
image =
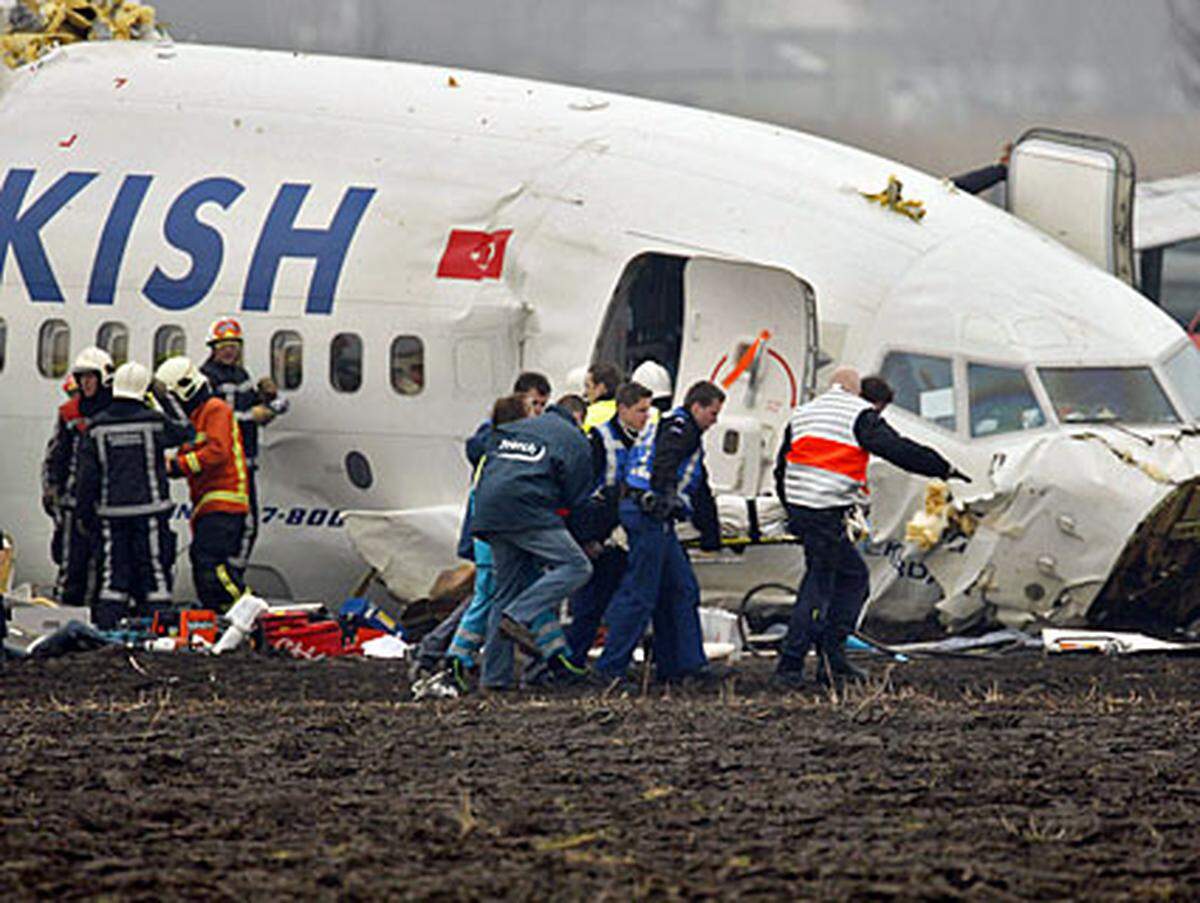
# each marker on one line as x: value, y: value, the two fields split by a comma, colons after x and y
x: 215, y: 467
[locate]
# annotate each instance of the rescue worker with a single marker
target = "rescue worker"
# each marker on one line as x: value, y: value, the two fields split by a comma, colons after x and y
x: 537, y: 471
x: 666, y: 481
x: 73, y: 547
x: 820, y: 476
x: 655, y: 377
x: 215, y: 467
x: 612, y: 442
x: 124, y: 498
x: 252, y: 408
x: 600, y: 389
x: 534, y: 391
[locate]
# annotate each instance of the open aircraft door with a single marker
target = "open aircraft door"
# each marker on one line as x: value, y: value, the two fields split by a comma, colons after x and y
x: 1079, y: 190
x: 753, y: 331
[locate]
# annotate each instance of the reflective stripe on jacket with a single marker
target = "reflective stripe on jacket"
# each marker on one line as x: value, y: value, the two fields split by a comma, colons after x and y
x: 826, y: 467
x: 215, y: 464
x: 689, y: 474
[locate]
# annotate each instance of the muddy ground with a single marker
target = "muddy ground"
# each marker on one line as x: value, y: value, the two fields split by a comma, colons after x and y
x: 248, y: 777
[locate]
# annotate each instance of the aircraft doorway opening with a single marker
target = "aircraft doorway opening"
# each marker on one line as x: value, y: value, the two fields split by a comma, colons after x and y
x: 747, y: 327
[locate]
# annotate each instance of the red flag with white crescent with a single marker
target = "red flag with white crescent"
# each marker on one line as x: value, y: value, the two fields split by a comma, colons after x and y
x: 473, y: 255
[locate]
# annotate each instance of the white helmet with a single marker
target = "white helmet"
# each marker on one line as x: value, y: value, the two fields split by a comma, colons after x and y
x: 653, y: 376
x: 131, y: 381
x: 94, y: 360
x: 575, y: 380
x: 181, y: 377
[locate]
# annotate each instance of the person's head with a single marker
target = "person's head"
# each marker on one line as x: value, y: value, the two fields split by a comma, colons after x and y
x: 225, y: 341
x: 633, y: 406
x: 180, y: 377
x: 601, y: 382
x: 508, y: 409
x: 876, y: 390
x: 535, y: 389
x: 131, y: 381
x: 576, y: 405
x: 92, y: 369
x: 703, y: 401
x: 846, y: 378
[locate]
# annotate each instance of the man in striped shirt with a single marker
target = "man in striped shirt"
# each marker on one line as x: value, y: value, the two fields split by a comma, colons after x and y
x: 820, y: 475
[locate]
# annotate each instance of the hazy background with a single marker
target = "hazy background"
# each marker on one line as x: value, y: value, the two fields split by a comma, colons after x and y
x: 937, y: 83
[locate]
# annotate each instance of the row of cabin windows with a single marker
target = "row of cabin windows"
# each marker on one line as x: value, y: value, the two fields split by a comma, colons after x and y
x: 407, y: 355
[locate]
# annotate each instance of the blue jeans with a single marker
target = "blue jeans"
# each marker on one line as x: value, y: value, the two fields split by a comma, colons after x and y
x: 833, y: 589
x: 472, y: 627
x: 589, y: 604
x: 658, y: 587
x: 560, y: 567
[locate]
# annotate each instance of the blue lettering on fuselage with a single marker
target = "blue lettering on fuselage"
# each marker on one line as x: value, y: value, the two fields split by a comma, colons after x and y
x: 22, y: 222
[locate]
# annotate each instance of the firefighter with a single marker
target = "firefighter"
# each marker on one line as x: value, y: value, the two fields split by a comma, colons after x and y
x: 254, y: 405
x: 612, y: 443
x: 666, y: 481
x: 215, y: 467
x: 125, y: 500
x: 73, y: 547
x: 820, y: 476
x: 600, y: 388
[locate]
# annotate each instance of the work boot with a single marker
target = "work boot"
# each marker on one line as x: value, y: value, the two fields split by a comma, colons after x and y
x: 788, y: 680
x: 842, y: 670
x: 464, y: 676
x: 521, y: 635
x: 710, y: 675
x: 558, y: 671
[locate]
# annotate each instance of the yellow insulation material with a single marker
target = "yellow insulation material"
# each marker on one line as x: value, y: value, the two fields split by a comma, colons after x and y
x: 927, y: 526
x: 35, y: 27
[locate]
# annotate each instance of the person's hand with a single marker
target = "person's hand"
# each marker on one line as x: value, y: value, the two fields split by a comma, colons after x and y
x: 50, y: 503
x: 173, y: 468
x: 262, y: 414
x: 710, y: 544
x: 956, y: 474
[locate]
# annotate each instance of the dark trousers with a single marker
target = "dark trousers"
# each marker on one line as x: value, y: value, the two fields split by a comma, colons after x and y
x: 137, y: 555
x: 833, y: 589
x: 77, y: 570
x: 216, y: 546
x: 589, y: 604
x: 658, y: 587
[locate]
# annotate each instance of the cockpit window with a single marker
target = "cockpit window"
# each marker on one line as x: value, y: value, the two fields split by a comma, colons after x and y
x: 1183, y: 369
x: 1001, y: 401
x: 1106, y: 394
x: 923, y: 384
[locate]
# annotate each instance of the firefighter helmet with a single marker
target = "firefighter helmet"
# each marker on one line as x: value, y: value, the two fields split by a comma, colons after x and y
x: 226, y: 329
x: 94, y: 360
x: 131, y: 381
x: 180, y: 377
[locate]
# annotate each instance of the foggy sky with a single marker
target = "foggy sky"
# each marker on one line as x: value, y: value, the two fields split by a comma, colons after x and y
x: 938, y: 83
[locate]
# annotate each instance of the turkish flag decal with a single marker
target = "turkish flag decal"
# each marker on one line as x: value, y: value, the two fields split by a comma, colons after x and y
x: 473, y: 255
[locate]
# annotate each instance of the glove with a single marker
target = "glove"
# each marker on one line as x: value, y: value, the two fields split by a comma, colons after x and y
x: 50, y: 503
x: 173, y: 468
x: 710, y: 544
x: 267, y: 390
x: 956, y: 474
x: 262, y: 414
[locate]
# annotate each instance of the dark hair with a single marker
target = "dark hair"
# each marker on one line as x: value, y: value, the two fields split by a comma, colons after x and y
x: 608, y: 374
x: 629, y: 394
x: 574, y: 404
x: 530, y: 381
x: 704, y: 394
x: 876, y: 390
x: 507, y: 409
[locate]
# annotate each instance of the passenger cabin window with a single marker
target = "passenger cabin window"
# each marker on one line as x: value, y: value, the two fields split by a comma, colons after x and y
x: 345, y: 362
x: 169, y: 341
x: 3, y: 342
x: 1183, y: 369
x: 408, y: 365
x: 1106, y: 395
x: 924, y: 385
x: 287, y: 359
x: 1001, y: 401
x: 54, y: 349
x: 114, y: 338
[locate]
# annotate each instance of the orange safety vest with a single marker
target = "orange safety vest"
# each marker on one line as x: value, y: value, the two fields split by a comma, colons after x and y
x: 826, y: 467
x: 215, y: 463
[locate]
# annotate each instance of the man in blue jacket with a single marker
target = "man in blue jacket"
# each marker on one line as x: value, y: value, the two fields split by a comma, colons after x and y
x: 665, y: 482
x: 536, y: 471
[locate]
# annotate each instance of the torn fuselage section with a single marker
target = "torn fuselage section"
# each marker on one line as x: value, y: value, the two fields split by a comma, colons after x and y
x: 1098, y: 527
